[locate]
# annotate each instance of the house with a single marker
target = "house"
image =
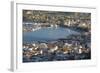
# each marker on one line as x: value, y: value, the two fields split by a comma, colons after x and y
x: 79, y: 50
x: 43, y: 45
x: 52, y: 47
x: 67, y: 44
x: 34, y: 44
x: 30, y: 49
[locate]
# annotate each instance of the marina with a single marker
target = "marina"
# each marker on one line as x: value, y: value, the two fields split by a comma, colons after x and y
x: 56, y: 36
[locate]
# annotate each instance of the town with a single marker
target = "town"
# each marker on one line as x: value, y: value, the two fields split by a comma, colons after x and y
x: 33, y: 20
x: 71, y: 47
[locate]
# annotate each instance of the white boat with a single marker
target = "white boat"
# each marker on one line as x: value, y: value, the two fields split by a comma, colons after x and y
x: 51, y: 26
x: 34, y: 29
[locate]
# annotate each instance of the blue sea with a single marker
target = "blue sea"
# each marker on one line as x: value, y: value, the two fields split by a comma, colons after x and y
x: 46, y: 34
